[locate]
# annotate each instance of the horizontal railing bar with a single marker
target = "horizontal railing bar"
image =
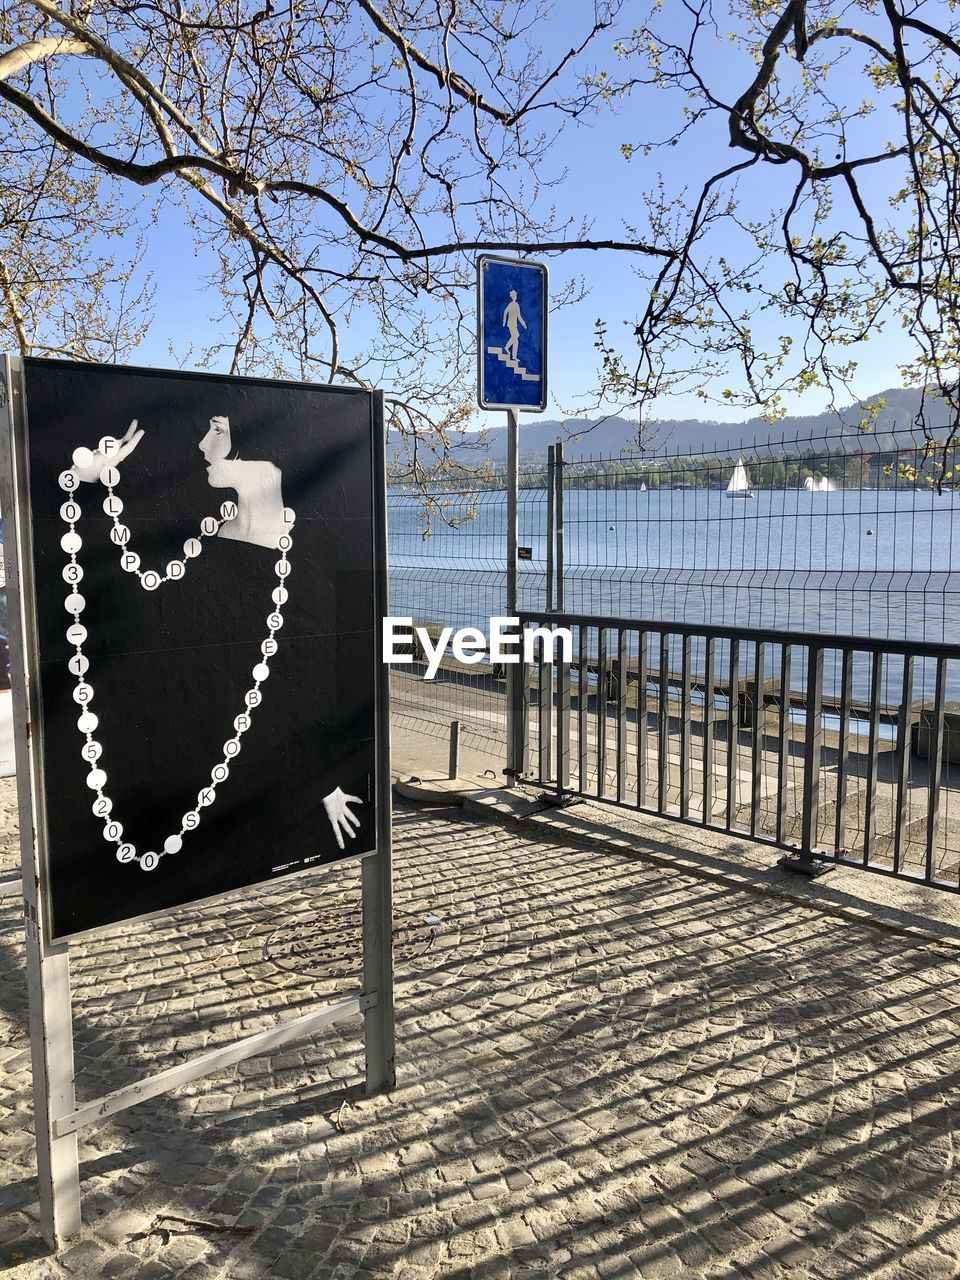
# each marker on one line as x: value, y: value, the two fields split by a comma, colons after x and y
x: 861, y: 644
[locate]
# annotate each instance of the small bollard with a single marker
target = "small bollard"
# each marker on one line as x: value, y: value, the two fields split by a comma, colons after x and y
x: 454, y: 767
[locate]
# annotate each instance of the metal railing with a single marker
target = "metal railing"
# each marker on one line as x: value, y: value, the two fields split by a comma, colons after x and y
x: 838, y: 749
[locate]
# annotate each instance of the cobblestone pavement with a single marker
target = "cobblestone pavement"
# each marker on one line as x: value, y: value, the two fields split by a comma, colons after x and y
x: 604, y: 1071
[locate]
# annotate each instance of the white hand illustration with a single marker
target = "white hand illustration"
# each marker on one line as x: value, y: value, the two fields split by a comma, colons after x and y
x: 88, y: 468
x: 340, y: 816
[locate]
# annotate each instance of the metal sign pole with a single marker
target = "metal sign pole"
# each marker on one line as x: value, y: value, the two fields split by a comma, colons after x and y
x: 48, y: 967
x: 513, y: 669
x: 512, y: 306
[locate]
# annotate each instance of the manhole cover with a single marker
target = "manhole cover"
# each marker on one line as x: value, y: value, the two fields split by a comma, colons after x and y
x: 330, y: 945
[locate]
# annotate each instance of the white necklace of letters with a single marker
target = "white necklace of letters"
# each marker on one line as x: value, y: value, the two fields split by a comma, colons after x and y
x: 150, y: 580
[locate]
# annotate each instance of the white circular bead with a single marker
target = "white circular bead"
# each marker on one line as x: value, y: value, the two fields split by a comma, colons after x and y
x: 172, y: 844
x: 88, y: 722
x: 261, y: 671
x: 206, y: 797
x: 78, y: 665
x: 82, y: 457
x: 228, y: 511
x: 109, y: 476
x: 208, y: 526
x: 72, y: 573
x: 70, y: 511
x: 268, y: 648
x: 279, y: 595
x: 68, y: 480
x: 83, y: 694
x: 231, y: 748
x: 151, y: 580
x: 220, y: 772
x: 283, y: 568
x: 102, y: 806
x: 130, y: 562
x: 275, y: 621
x: 175, y: 570
x: 112, y: 506
x: 112, y: 832
x: 96, y: 779
x: 289, y: 515
x: 120, y: 535
x: 71, y: 542
x: 149, y: 861
x: 190, y: 821
x: 76, y: 633
x: 92, y: 751
x: 74, y: 603
x: 192, y: 547
x: 126, y: 853
x: 108, y: 445
x: 253, y: 697
x: 242, y: 724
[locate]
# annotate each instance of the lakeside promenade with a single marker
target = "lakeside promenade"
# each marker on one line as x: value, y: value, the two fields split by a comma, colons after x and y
x: 606, y: 1068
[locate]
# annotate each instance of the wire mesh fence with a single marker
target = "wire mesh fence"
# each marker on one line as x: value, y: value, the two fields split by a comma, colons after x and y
x: 844, y: 534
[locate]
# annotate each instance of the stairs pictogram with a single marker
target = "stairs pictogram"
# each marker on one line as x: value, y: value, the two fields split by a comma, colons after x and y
x: 515, y: 365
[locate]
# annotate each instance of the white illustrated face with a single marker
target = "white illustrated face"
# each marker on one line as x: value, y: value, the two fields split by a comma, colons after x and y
x: 215, y: 447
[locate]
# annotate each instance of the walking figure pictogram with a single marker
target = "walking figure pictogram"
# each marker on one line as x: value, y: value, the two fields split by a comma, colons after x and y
x: 509, y: 354
x: 511, y: 318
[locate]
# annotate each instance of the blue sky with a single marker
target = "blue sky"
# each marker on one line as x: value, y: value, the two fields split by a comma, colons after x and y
x: 599, y: 184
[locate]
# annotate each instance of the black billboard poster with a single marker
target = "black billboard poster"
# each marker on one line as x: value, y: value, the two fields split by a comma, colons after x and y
x: 206, y: 557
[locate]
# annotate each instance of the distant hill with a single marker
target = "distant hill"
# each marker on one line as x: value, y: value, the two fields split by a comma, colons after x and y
x: 608, y: 437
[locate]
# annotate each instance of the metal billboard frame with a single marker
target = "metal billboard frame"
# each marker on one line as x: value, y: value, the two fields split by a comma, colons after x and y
x: 57, y: 1116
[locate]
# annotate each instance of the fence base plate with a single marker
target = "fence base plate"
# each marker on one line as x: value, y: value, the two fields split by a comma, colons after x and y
x: 804, y: 866
x: 562, y: 801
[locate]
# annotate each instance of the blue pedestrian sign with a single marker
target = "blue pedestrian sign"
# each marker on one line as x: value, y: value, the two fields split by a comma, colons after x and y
x: 512, y: 334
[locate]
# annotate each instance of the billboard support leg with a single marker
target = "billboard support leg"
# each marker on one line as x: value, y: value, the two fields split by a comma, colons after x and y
x: 48, y: 966
x: 377, y: 891
x: 378, y: 1030
x: 51, y: 1042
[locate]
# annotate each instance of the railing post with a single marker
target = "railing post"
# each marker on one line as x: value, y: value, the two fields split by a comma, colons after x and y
x: 935, y: 753
x: 519, y: 695
x: 558, y: 525
x: 551, y: 526
x: 709, y: 717
x: 805, y: 861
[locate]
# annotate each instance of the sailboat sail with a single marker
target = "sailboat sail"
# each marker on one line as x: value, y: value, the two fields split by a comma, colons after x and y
x: 739, y: 486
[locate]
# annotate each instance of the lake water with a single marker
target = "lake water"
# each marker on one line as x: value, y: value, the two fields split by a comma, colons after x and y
x: 876, y: 563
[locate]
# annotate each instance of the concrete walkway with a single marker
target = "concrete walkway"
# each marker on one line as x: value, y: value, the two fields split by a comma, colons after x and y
x: 606, y: 1068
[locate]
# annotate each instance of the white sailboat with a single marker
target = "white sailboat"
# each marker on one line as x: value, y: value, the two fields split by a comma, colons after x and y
x: 739, y: 486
